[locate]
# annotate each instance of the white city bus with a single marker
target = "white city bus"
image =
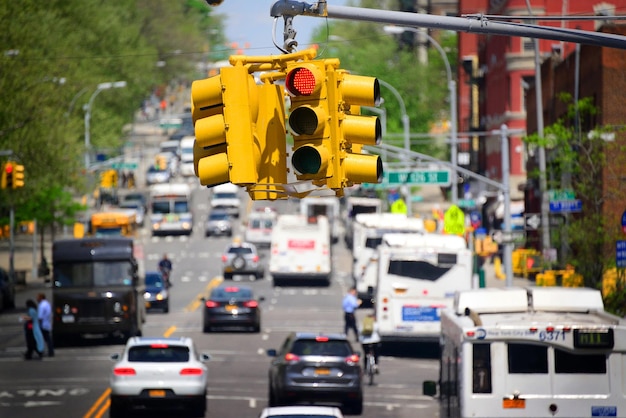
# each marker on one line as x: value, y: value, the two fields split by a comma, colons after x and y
x: 368, y: 230
x: 417, y: 277
x: 535, y: 352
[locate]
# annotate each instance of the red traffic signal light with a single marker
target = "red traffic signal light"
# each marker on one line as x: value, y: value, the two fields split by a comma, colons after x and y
x: 8, y: 168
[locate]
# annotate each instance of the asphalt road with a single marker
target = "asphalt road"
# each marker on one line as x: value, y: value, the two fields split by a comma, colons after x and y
x: 74, y: 383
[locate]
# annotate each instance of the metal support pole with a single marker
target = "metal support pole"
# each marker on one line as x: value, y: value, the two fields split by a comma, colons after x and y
x: 11, y: 242
x: 507, y: 254
x: 33, y: 270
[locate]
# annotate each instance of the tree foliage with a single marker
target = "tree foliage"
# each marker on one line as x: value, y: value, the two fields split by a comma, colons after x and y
x: 578, y: 161
x: 55, y: 54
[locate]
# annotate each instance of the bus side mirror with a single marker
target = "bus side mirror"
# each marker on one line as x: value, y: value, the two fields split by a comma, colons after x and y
x: 429, y: 388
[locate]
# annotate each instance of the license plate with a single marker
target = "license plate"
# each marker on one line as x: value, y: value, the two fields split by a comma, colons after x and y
x: 231, y: 308
x: 514, y: 403
x: 323, y: 372
x: 67, y: 319
x: 156, y: 393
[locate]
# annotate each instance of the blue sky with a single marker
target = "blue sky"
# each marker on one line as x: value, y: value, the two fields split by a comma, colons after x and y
x: 249, y: 22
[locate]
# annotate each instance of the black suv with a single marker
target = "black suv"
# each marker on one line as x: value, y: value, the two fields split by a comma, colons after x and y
x: 7, y: 291
x: 319, y: 368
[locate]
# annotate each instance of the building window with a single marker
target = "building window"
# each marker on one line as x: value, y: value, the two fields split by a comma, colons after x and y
x: 528, y: 45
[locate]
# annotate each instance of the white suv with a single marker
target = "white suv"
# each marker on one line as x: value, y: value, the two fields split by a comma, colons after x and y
x: 242, y: 258
x: 182, y: 376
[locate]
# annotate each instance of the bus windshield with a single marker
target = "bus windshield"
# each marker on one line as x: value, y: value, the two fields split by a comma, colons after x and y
x: 181, y: 206
x: 108, y: 232
x: 93, y: 274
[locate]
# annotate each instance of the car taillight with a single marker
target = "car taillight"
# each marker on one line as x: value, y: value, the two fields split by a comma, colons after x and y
x: 124, y: 371
x: 353, y: 359
x: 255, y: 258
x: 291, y: 357
x: 251, y: 304
x: 191, y: 372
x: 211, y: 304
x: 224, y: 258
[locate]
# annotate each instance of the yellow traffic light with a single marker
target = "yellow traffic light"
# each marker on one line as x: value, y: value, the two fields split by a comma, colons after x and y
x: 347, y: 93
x: 224, y: 111
x: 7, y: 175
x: 18, y: 176
x: 309, y: 119
x: 272, y: 146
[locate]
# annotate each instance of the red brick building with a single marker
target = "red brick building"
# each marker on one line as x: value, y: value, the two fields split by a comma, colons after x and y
x: 495, y: 76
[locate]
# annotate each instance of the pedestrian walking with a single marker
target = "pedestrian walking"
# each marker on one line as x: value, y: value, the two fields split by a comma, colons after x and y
x: 350, y: 304
x: 44, y: 311
x: 34, y: 338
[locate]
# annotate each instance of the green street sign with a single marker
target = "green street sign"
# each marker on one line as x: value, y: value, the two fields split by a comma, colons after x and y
x: 558, y: 195
x: 124, y: 166
x: 418, y: 177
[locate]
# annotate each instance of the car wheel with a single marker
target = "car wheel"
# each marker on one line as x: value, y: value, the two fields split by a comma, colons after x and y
x: 272, y: 398
x: 257, y: 327
x: 206, y: 328
x: 115, y: 409
x: 199, y: 408
x: 166, y: 309
x: 354, y: 408
x: 239, y: 263
x: 228, y: 276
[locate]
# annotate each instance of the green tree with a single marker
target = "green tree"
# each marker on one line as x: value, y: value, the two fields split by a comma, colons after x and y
x: 578, y: 159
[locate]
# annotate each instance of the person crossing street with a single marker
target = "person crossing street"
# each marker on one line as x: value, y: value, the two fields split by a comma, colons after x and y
x: 350, y: 304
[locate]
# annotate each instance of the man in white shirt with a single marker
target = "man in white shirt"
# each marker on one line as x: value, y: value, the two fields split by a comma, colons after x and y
x: 44, y: 312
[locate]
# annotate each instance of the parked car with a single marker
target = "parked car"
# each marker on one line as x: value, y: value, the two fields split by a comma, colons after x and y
x: 233, y: 306
x: 159, y: 373
x: 7, y: 291
x: 242, y: 258
x: 301, y: 411
x: 317, y: 368
x: 218, y: 222
x: 156, y: 295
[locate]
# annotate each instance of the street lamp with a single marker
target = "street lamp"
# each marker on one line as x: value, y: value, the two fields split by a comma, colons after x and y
x: 87, y: 109
x: 452, y: 91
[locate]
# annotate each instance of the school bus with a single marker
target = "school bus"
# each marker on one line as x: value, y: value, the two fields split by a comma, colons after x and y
x: 113, y: 224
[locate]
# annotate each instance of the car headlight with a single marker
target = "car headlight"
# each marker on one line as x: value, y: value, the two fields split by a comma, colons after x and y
x: 162, y: 295
x: 146, y: 295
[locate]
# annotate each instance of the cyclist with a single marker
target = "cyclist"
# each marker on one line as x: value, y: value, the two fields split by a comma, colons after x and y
x: 370, y: 339
x: 165, y: 267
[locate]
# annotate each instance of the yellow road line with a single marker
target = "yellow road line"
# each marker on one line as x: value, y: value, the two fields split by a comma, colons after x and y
x: 104, y: 395
x: 104, y: 408
x: 169, y: 331
x: 196, y: 303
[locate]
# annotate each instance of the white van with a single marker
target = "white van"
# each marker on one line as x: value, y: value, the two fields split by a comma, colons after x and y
x: 300, y: 249
x: 226, y: 197
x: 259, y: 227
x: 186, y: 156
x: 327, y: 206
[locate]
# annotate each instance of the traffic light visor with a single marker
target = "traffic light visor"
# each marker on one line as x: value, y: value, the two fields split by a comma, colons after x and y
x: 304, y: 80
x: 360, y: 90
x: 364, y: 168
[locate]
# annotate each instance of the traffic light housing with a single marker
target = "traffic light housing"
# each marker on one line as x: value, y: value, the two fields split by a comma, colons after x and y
x: 309, y: 119
x: 271, y: 143
x: 7, y: 175
x: 224, y: 112
x: 347, y: 93
x: 18, y: 176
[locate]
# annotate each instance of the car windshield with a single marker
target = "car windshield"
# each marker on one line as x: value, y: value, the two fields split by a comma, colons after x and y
x: 321, y: 348
x: 159, y: 353
x: 231, y: 293
x: 240, y: 250
x: 154, y: 169
x: 218, y: 217
x: 154, y: 280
